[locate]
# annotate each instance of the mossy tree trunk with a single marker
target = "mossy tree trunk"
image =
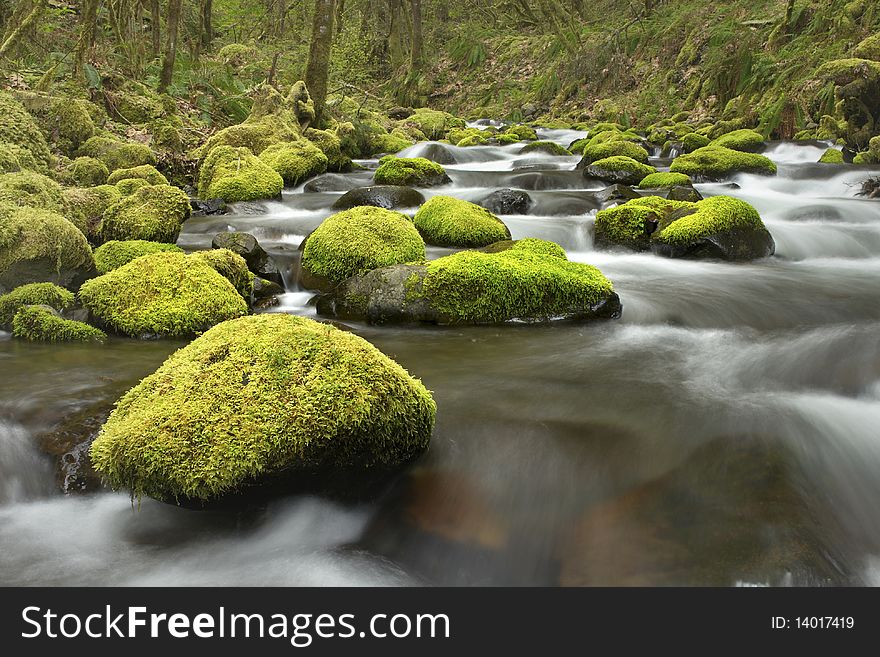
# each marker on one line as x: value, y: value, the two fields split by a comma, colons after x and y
x: 207, y: 25
x: 174, y: 7
x: 318, y: 67
x: 155, y: 28
x: 15, y: 32
x: 88, y: 33
x: 416, y: 50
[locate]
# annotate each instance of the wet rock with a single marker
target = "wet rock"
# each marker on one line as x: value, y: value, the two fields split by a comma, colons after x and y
x: 438, y: 153
x: 684, y: 193
x: 534, y: 165
x: 207, y: 208
x: 389, y: 197
x: 400, y: 113
x: 245, y: 245
x: 737, y: 244
x: 623, y: 176
x: 330, y: 182
x: 69, y: 444
x: 616, y: 192
x: 870, y: 188
x: 266, y: 293
x: 507, y: 201
x: 251, y: 208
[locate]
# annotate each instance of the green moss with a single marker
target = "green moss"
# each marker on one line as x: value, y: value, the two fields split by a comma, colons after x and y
x: 16, y: 158
x: 33, y: 294
x: 85, y: 172
x: 32, y: 189
x: 693, y: 141
x: 524, y: 281
x: 231, y: 266
x: 416, y: 171
x: 604, y: 126
x: 165, y: 294
x: 434, y: 124
x: 359, y: 240
x: 610, y: 136
x: 740, y: 140
x: 87, y: 206
x: 40, y: 324
x: 869, y: 48
x: 19, y: 128
x: 713, y: 215
x: 663, y: 180
x: 505, y: 138
x: 628, y: 224
x: 844, y: 71
x: 301, y: 104
x: 128, y: 186
x: 473, y: 136
x: 68, y: 124
x: 392, y: 142
x: 144, y: 172
x: 295, y: 161
x: 329, y: 144
x: 624, y: 164
x: 38, y: 245
x: 448, y: 221
x: 522, y: 132
x: 472, y: 140
x: 261, y: 396
x: 552, y: 148
x: 114, y: 254
x: 724, y: 127
x: 614, y: 148
x: 714, y: 162
x: 236, y: 174
x: 832, y: 156
x: 237, y: 54
x: 154, y: 213
x: 117, y: 154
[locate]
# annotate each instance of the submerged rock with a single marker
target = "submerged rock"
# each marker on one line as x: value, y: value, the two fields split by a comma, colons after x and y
x: 259, y: 399
x: 330, y: 182
x: 69, y: 444
x: 528, y: 280
x: 389, y: 197
x: 507, y: 201
x: 438, y: 153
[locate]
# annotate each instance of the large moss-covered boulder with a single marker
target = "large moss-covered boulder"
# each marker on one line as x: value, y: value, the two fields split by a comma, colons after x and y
x: 143, y: 172
x: 717, y: 227
x: 19, y: 128
x: 740, y: 140
x: 664, y: 180
x: 16, y: 158
x: 295, y: 161
x: 857, y: 88
x: 618, y: 169
x: 86, y: 207
x: 693, y: 140
x: 527, y: 280
x: 409, y: 171
x: 84, y: 172
x: 114, y: 254
x: 448, y: 221
x: 261, y: 398
x: 117, y: 154
x: 154, y: 213
x: 356, y: 241
x: 43, y: 324
x: 236, y: 174
x: 329, y: 143
x: 717, y: 162
x: 32, y: 189
x: 231, y: 266
x: 64, y: 120
x: 610, y: 149
x: 33, y: 294
x: 162, y: 295
x: 37, y: 245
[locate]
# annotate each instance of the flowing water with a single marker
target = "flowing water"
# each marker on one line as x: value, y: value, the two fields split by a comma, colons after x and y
x: 725, y: 431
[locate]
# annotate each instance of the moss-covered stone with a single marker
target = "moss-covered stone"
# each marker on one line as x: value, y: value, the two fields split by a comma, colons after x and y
x: 633, y: 223
x: 868, y: 48
x: 143, y: 172
x: 664, y: 180
x: 522, y: 132
x: 611, y: 149
x: 117, y: 154
x: 128, y: 186
x: 32, y: 189
x: 331, y: 145
x: 390, y: 142
x: 114, y: 254
x: 740, y: 140
x: 87, y: 206
x: 67, y: 123
x: 16, y: 158
x: 37, y: 245
x: 692, y: 141
x: 231, y: 266
x: 409, y: 172
x: 18, y: 127
x: 257, y: 398
x: 448, y: 221
x: 618, y: 169
x: 468, y: 136
x: 549, y: 147
x: 154, y: 213
x: 355, y: 241
x: 832, y: 156
x: 42, y: 324
x: 162, y: 294
x: 433, y: 124
x: 295, y: 161
x: 716, y: 162
x: 33, y: 294
x: 85, y: 172
x: 236, y: 174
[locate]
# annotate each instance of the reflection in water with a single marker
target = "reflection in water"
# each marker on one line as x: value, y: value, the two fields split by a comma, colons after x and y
x: 722, y: 432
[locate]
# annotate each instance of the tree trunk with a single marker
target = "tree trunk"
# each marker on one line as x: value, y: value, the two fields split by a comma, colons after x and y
x: 14, y: 34
x: 156, y: 27
x: 88, y: 32
x: 416, y: 52
x: 207, y: 31
x: 174, y: 7
x: 340, y: 10
x: 319, y: 53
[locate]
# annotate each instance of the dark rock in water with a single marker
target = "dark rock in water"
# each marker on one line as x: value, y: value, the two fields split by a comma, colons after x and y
x: 389, y: 197
x: 400, y: 113
x: 684, y: 193
x: 616, y: 192
x: 69, y: 444
x: 734, y: 244
x: 330, y: 182
x: 534, y: 165
x: 206, y: 208
x: 266, y: 293
x: 438, y: 153
x: 870, y: 188
x: 251, y: 208
x: 507, y: 201
x: 271, y: 272
x: 245, y: 245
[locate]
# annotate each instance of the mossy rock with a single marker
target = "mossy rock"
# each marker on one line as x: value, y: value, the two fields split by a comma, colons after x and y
x: 612, y: 149
x: 154, y: 213
x: 295, y: 161
x: 18, y: 127
x: 32, y: 189
x: 448, y: 221
x: 717, y: 227
x: 390, y: 197
x: 618, y: 169
x: 664, y: 180
x: 16, y: 158
x: 549, y: 147
x: 868, y: 48
x: 42, y: 324
x: 117, y: 154
x: 329, y: 143
x: 522, y: 132
x: 433, y: 124
x: 87, y: 206
x: 389, y: 142
x: 236, y: 174
x: 143, y: 172
x: 37, y: 245
x: 128, y: 186
x: 67, y: 123
x: 114, y: 254
x: 231, y: 266
x: 162, y: 295
x: 410, y: 172
x: 356, y: 241
x: 135, y: 103
x: 724, y: 127
x: 692, y: 141
x: 468, y: 136
x: 260, y: 398
x: 85, y: 172
x: 33, y: 294
x: 717, y: 163
x: 740, y: 140
x: 529, y: 280
x: 832, y: 156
